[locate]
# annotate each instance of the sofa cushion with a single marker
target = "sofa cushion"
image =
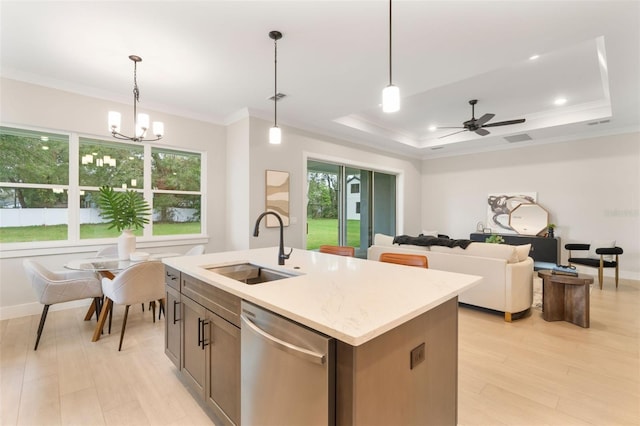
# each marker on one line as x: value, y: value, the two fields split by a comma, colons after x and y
x: 596, y: 244
x: 495, y: 251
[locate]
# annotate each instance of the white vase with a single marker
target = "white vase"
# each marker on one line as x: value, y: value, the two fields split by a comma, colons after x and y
x: 126, y: 244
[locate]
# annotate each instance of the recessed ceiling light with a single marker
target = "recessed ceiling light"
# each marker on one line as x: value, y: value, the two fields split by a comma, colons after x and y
x: 560, y: 101
x: 533, y: 57
x: 433, y: 128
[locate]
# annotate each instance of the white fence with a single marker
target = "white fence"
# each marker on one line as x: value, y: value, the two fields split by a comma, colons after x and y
x: 38, y: 217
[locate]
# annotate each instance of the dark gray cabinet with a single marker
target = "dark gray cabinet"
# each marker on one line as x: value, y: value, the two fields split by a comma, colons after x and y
x: 173, y: 315
x: 543, y: 249
x: 202, y: 338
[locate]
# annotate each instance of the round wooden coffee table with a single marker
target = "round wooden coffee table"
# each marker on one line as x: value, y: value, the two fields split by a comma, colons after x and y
x: 565, y: 298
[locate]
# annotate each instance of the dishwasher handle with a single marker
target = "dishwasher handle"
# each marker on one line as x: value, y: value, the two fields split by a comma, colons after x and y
x: 294, y: 350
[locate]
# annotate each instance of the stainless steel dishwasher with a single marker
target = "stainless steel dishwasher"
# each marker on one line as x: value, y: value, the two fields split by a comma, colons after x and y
x: 287, y: 371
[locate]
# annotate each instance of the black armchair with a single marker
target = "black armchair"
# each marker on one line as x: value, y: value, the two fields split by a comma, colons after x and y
x: 594, y: 262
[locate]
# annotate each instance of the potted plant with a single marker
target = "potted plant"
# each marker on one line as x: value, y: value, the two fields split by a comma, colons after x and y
x: 550, y: 228
x: 124, y: 211
x: 494, y: 239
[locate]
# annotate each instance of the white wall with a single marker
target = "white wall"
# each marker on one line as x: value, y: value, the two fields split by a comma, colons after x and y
x: 291, y: 155
x: 33, y: 106
x: 591, y: 188
x: 238, y: 186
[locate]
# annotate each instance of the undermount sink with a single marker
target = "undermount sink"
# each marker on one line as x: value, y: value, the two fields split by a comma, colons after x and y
x: 249, y: 273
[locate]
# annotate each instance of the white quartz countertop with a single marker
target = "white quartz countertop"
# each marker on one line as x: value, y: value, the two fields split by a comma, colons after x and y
x: 353, y: 300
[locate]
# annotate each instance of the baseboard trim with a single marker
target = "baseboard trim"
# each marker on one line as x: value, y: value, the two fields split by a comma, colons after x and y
x: 35, y: 308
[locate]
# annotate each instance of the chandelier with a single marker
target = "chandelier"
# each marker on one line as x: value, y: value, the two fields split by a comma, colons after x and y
x: 141, y: 121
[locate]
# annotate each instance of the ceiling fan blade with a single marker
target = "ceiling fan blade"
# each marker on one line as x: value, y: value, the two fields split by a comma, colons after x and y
x: 456, y: 127
x: 451, y: 134
x: 482, y: 132
x: 505, y: 123
x: 480, y: 121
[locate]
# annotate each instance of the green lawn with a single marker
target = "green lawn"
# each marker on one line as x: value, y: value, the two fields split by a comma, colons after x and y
x: 59, y: 232
x: 325, y: 231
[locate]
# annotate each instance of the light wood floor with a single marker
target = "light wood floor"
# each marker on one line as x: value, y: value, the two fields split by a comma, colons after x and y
x: 529, y: 372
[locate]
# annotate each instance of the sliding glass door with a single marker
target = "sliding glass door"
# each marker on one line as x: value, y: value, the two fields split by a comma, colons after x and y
x: 347, y: 205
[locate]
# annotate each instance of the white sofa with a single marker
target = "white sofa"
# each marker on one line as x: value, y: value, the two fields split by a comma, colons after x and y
x: 507, y: 271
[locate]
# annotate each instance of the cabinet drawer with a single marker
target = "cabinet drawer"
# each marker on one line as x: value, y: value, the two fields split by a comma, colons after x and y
x: 218, y: 301
x: 172, y: 277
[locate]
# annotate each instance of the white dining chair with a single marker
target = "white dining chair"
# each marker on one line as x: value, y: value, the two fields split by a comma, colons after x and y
x: 195, y: 250
x: 139, y: 283
x: 61, y: 286
x: 108, y: 251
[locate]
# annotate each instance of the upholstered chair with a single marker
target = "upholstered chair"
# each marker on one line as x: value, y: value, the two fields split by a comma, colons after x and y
x: 137, y: 284
x: 58, y: 287
x: 108, y: 251
x: 339, y: 250
x: 195, y: 250
x: 405, y: 259
x: 600, y: 255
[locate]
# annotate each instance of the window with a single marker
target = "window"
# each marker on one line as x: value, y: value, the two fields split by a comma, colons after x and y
x: 37, y: 179
x: 114, y: 164
x: 34, y: 180
x: 339, y: 213
x: 176, y: 192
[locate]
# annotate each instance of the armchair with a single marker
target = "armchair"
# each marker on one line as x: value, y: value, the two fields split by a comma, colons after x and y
x: 601, y: 255
x: 57, y: 287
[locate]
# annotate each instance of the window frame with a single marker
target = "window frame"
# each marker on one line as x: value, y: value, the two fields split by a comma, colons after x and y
x: 74, y: 243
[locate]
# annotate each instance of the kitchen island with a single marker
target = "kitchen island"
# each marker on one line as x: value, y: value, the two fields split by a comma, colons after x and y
x: 395, y: 329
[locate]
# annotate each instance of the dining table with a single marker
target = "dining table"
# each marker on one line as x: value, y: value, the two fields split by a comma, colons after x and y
x: 107, y: 267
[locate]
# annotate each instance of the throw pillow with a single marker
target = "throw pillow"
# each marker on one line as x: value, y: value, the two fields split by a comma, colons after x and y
x: 383, y: 240
x: 596, y: 244
x: 523, y: 252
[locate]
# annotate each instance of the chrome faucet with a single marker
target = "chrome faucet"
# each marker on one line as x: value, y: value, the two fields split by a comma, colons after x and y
x: 281, y: 256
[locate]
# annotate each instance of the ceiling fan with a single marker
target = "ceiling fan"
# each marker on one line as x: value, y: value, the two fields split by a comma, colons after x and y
x: 478, y: 124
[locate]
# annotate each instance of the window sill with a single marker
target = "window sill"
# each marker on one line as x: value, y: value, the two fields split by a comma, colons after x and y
x: 15, y: 250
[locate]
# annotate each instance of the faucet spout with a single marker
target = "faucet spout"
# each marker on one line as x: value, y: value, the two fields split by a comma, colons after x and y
x: 256, y: 230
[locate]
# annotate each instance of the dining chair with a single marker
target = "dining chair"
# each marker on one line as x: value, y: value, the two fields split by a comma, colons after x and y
x: 195, y: 250
x: 57, y: 287
x: 139, y: 283
x: 109, y: 251
x: 405, y: 259
x: 339, y: 250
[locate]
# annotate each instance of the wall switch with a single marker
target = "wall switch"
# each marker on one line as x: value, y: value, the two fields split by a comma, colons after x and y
x: 417, y: 355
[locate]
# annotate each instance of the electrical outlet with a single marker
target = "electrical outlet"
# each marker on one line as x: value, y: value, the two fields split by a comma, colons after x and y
x: 417, y: 355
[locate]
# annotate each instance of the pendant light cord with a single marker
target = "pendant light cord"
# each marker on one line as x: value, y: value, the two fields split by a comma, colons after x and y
x: 275, y: 83
x: 390, y: 72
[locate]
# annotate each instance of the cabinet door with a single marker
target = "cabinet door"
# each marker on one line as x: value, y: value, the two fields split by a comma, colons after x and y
x: 193, y: 352
x: 173, y: 326
x: 223, y: 372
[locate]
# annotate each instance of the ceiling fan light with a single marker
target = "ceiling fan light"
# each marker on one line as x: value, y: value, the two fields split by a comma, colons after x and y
x: 391, y: 98
x: 275, y: 135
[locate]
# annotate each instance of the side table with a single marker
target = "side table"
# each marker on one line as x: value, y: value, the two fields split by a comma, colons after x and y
x: 565, y: 298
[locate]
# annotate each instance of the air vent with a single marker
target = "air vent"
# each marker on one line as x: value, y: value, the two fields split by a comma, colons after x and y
x: 278, y: 96
x: 518, y: 138
x: 595, y: 123
x: 436, y: 147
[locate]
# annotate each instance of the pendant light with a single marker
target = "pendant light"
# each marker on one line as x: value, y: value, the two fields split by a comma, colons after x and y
x: 141, y: 121
x: 275, y: 134
x: 391, y: 93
